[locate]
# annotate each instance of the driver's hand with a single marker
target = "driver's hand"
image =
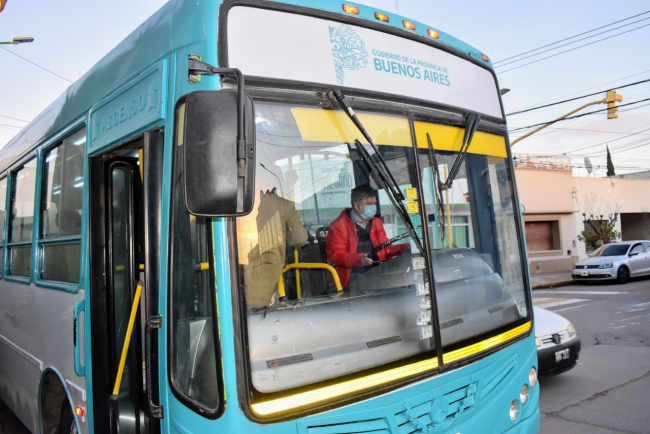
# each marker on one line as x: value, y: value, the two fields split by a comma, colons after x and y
x: 365, y: 260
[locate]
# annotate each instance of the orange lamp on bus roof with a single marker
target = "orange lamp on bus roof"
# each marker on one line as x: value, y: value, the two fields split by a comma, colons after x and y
x: 351, y: 9
x: 382, y: 17
x: 409, y: 25
x: 485, y: 58
x: 433, y: 33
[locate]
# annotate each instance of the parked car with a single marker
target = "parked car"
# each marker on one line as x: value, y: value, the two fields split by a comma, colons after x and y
x: 558, y: 345
x: 616, y: 261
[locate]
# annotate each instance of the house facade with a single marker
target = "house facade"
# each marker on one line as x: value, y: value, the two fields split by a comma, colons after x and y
x: 556, y: 204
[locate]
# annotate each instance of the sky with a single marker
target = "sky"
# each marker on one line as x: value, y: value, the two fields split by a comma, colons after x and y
x: 70, y: 36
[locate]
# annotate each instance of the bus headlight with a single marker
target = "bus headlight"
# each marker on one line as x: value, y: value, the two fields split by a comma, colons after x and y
x: 524, y: 394
x: 537, y: 342
x: 532, y: 377
x: 514, y: 410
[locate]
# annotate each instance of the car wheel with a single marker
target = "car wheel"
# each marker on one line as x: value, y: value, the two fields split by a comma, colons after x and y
x: 623, y: 275
x: 67, y: 424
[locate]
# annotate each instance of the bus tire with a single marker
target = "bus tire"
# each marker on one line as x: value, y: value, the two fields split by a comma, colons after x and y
x: 67, y: 424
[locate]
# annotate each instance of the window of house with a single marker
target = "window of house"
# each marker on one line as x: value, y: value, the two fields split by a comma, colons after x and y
x: 62, y: 198
x: 21, y: 220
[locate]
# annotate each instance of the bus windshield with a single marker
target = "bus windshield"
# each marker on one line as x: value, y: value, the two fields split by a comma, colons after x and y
x: 335, y: 283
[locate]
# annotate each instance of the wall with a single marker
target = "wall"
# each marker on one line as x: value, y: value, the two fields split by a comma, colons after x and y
x: 549, y: 192
x: 546, y: 193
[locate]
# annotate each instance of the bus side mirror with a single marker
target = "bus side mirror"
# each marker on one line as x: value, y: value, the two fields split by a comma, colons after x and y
x: 214, y: 187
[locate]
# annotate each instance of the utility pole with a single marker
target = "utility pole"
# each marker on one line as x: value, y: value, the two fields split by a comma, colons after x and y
x: 611, y: 99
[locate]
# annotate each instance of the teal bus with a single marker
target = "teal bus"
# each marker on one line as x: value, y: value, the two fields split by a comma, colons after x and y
x: 269, y: 216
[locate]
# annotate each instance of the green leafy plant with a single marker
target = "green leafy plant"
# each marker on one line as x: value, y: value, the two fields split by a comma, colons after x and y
x: 604, y: 234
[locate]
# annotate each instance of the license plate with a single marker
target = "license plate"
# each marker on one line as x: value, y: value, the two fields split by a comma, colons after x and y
x: 584, y: 273
x: 561, y: 355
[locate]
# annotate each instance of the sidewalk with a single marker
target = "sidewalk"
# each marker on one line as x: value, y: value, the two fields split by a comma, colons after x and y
x: 551, y: 279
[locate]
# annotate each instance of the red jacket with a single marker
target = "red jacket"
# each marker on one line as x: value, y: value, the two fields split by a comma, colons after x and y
x: 342, y: 242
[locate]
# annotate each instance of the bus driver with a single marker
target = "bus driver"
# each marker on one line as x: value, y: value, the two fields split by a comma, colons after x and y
x: 355, y: 233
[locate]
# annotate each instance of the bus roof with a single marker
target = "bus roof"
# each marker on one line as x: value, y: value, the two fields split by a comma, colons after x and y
x: 151, y: 41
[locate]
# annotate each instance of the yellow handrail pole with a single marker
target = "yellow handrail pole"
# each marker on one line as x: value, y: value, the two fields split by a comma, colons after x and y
x: 127, y: 339
x: 140, y: 160
x: 558, y: 119
x: 307, y: 266
x: 295, y: 255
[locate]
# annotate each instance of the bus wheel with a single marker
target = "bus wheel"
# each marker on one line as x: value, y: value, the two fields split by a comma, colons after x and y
x: 67, y: 424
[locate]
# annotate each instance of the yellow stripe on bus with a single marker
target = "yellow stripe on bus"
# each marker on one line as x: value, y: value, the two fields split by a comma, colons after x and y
x: 329, y: 392
x: 318, y: 125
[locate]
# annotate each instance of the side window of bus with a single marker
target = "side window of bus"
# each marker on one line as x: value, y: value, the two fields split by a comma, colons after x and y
x: 3, y: 215
x: 61, y: 202
x: 195, y: 350
x: 21, y: 220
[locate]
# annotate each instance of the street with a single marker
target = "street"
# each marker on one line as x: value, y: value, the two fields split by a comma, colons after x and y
x: 607, y: 393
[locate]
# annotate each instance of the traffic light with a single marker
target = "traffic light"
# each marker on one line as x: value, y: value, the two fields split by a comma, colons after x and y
x: 612, y: 98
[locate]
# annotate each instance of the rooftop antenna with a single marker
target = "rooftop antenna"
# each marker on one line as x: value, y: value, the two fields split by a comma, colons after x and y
x: 588, y: 166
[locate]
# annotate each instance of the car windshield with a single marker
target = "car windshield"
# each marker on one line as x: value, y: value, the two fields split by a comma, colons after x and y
x: 611, y: 250
x: 335, y: 286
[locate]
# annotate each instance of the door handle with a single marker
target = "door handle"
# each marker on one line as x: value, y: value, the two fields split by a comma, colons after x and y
x: 153, y: 323
x: 79, y: 307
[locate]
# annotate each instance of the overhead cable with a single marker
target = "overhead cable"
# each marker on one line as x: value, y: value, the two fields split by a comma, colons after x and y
x: 574, y: 36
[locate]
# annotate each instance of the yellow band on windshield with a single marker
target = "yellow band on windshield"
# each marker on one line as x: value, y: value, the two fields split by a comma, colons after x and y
x: 319, y: 125
x: 446, y: 138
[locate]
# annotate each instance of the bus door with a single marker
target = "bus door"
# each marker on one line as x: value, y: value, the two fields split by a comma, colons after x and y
x: 125, y: 234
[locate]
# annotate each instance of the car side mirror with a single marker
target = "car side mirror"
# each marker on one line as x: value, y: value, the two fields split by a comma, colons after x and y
x: 219, y: 165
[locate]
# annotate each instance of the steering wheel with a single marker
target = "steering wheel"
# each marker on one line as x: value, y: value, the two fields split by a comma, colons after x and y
x: 388, y: 243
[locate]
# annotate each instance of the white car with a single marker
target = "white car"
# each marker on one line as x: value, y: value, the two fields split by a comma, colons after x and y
x: 558, y: 345
x: 618, y: 261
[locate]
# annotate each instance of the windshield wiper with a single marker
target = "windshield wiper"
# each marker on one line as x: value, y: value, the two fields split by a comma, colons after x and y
x: 392, y: 184
x: 473, y: 120
x: 384, y: 176
x: 433, y: 162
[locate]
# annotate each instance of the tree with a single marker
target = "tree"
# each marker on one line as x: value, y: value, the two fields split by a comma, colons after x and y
x: 603, y: 230
x: 610, y: 164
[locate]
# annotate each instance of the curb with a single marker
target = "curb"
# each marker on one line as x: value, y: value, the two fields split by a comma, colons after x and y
x: 552, y: 284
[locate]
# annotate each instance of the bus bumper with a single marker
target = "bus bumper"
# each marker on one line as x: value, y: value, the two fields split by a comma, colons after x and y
x: 527, y: 426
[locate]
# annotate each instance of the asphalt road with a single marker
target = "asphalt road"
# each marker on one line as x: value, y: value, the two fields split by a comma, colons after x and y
x: 608, y: 392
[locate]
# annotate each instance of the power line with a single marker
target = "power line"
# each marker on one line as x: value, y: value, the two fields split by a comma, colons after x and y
x: 14, y: 119
x: 574, y: 36
x: 36, y: 64
x: 573, y: 49
x: 572, y: 42
x: 589, y: 88
x: 17, y: 128
x: 578, y: 97
x: 578, y: 116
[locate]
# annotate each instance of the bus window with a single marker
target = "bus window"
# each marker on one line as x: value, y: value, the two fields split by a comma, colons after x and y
x: 62, y: 198
x: 472, y: 229
x: 22, y: 220
x: 195, y: 351
x: 325, y: 301
x: 3, y: 215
